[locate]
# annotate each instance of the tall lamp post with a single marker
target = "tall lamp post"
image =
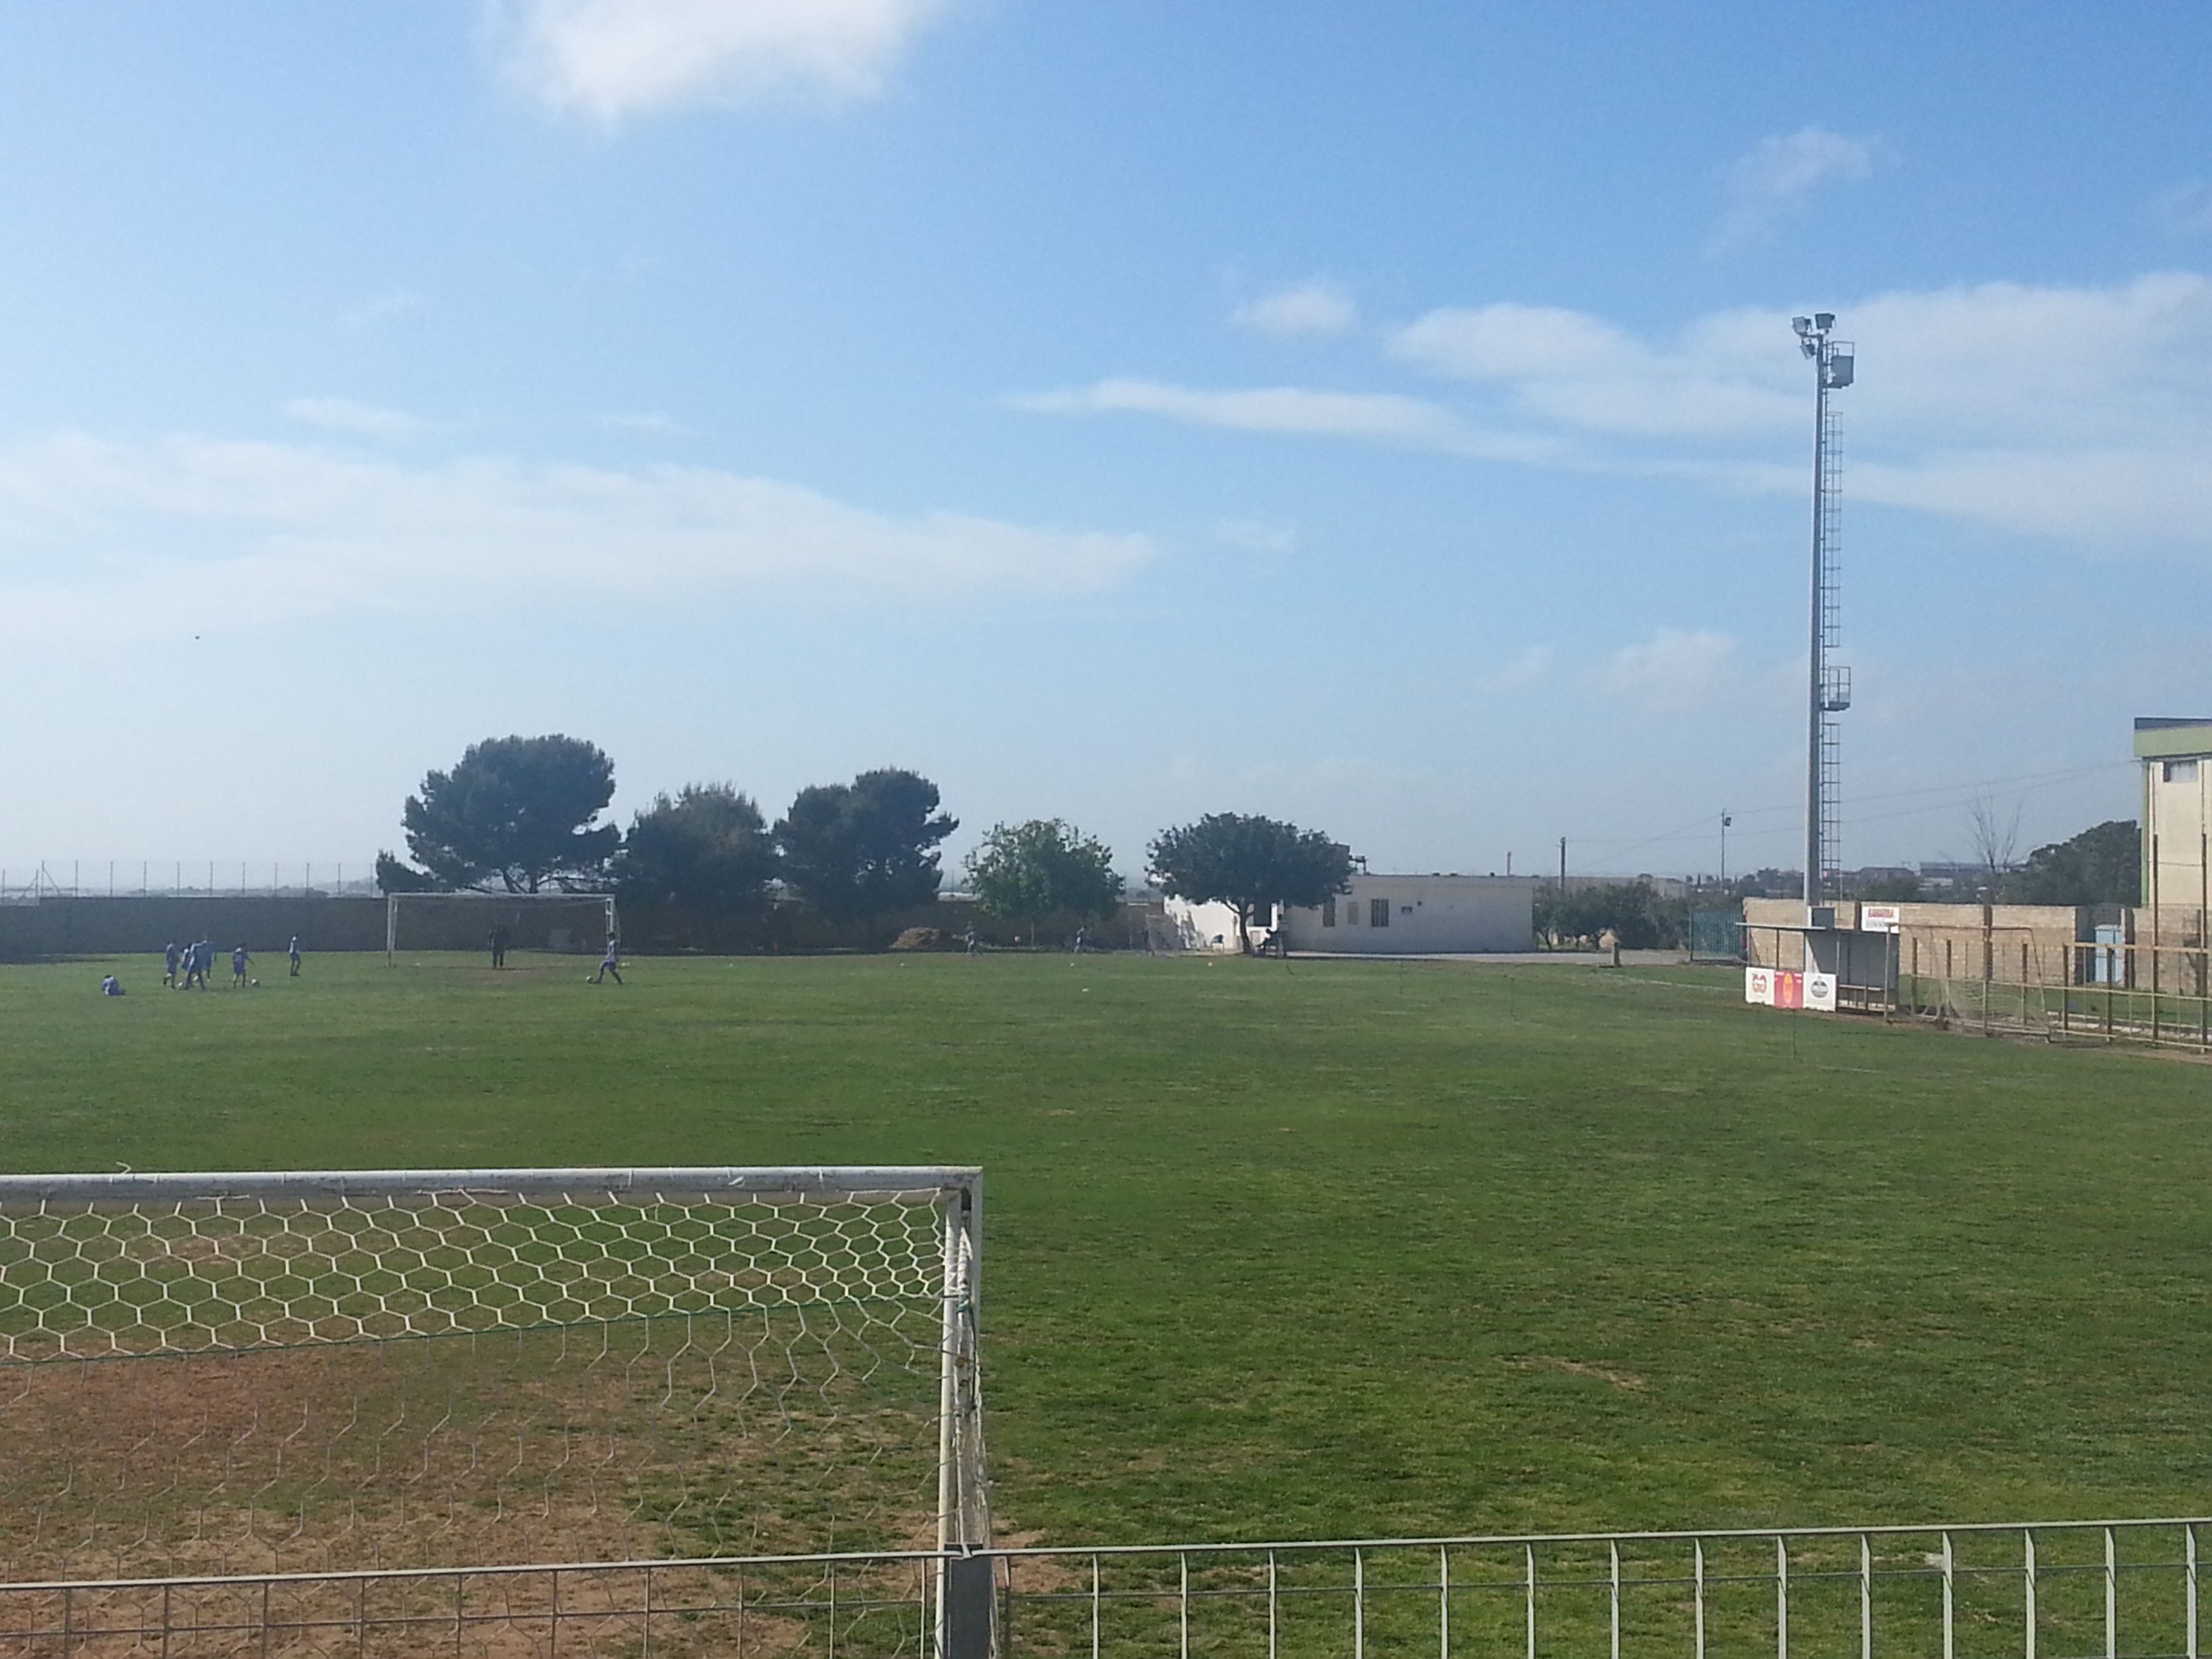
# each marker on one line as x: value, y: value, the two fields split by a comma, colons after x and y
x: 1828, y: 684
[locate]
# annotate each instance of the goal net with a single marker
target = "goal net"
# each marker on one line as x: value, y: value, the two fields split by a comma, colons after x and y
x: 558, y: 922
x: 256, y: 1374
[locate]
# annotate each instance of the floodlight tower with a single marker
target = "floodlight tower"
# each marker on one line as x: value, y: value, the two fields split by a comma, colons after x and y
x: 1829, y: 684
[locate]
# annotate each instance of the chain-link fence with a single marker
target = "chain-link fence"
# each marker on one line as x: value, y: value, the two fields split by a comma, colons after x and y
x: 40, y: 880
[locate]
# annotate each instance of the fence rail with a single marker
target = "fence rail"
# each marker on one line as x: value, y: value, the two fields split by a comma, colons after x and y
x: 2121, y: 1589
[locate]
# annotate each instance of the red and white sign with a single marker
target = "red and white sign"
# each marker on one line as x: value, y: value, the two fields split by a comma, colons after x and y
x: 1783, y: 987
x: 1881, y: 918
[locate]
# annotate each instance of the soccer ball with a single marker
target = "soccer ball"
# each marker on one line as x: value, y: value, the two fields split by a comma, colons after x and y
x: 253, y: 981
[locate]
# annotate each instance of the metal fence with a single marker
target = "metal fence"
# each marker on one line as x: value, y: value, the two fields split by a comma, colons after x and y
x: 2087, y: 990
x: 1717, y: 936
x: 65, y: 878
x: 2123, y: 1589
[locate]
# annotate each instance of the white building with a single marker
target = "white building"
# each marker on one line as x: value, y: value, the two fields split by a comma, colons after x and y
x: 2176, y: 755
x: 1381, y: 915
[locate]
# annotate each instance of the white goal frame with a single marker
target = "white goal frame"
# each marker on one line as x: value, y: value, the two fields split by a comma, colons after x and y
x: 391, y: 903
x: 51, y: 1205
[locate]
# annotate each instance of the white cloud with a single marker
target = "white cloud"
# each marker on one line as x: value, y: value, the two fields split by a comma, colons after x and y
x: 1571, y: 367
x: 2083, y: 412
x: 651, y: 422
x: 1770, y: 182
x: 1316, y: 307
x: 1676, y: 669
x: 1526, y: 668
x: 610, y: 60
x: 99, y: 540
x: 360, y: 420
x: 1375, y: 417
x: 1257, y: 535
x: 381, y: 307
x: 2187, y: 209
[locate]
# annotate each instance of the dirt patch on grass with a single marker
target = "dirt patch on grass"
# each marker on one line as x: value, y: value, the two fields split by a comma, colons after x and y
x: 1626, y: 1382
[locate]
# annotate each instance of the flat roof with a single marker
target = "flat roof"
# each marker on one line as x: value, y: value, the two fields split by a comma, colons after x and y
x: 2163, y: 736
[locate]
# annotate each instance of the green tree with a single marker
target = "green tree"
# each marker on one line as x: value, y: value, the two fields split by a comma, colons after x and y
x: 1042, y: 868
x: 1248, y: 863
x: 856, y: 851
x: 1630, y: 910
x: 703, y: 852
x: 515, y: 813
x: 2103, y: 864
x: 394, y: 875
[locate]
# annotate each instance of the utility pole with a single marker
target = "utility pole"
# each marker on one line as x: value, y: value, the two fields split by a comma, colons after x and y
x: 1828, y: 685
x: 1563, y: 865
x: 1725, y: 821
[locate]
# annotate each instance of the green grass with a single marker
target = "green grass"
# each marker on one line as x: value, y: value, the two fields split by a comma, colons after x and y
x: 1325, y: 1249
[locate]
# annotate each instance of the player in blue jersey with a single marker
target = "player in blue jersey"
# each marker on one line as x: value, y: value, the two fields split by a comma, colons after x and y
x: 238, y: 961
x: 170, y: 956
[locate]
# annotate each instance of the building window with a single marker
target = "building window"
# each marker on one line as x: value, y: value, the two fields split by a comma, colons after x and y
x: 1378, y: 913
x: 1328, y: 913
x: 2182, y: 771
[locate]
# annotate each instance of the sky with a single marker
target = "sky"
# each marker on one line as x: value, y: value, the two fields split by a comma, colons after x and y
x: 1384, y: 417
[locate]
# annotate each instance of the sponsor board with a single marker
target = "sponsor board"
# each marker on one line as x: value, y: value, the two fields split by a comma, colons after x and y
x: 1881, y: 918
x: 1783, y: 987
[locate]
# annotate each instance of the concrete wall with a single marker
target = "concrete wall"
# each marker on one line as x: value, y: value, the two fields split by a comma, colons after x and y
x: 2015, y: 944
x: 132, y: 926
x: 120, y: 927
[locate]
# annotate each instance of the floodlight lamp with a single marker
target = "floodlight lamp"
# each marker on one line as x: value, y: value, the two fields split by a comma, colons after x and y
x: 1824, y: 320
x: 1801, y: 323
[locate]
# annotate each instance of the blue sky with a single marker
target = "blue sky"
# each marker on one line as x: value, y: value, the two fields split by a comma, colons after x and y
x: 1384, y: 417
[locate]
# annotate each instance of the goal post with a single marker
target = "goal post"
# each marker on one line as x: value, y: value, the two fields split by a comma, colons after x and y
x: 337, y: 1371
x: 532, y: 921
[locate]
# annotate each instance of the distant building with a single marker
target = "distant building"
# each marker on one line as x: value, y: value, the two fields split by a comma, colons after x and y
x: 2177, y: 820
x: 1381, y: 915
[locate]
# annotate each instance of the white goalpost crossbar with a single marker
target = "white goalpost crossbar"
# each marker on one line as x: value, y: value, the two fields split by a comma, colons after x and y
x: 341, y: 1372
x: 516, y: 903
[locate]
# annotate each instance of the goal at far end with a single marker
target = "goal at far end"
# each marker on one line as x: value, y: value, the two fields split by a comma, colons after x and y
x: 557, y: 922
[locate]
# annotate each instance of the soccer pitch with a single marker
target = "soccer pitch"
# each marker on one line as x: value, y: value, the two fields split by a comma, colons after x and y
x: 1323, y: 1249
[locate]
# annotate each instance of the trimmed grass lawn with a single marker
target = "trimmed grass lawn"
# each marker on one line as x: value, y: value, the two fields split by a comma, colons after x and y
x: 1280, y: 1250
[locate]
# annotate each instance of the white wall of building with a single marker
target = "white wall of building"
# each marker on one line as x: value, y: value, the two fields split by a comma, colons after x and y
x: 1209, y: 927
x: 1415, y: 915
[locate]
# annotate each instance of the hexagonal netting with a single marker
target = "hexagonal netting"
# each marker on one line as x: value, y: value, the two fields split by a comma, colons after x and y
x: 250, y: 1374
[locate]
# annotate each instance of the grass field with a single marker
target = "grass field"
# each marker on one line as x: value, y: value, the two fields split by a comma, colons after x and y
x: 1325, y: 1249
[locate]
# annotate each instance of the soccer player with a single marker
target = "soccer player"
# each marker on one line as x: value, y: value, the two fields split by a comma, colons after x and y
x: 498, y: 942
x: 238, y: 961
x: 292, y: 952
x: 195, y: 964
x: 170, y: 955
x: 112, y: 987
x: 610, y: 962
